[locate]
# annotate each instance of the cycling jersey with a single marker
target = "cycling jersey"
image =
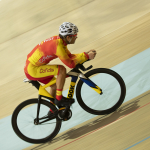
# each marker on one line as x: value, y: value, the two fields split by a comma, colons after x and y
x: 48, y: 50
x: 52, y: 48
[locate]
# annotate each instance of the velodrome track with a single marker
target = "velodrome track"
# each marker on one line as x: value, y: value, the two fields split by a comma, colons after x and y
x: 118, y: 30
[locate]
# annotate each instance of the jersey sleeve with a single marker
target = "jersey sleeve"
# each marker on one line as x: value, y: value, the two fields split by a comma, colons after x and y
x: 70, y: 60
x: 78, y: 58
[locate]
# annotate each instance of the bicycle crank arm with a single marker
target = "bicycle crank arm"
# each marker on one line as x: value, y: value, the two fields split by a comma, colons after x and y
x: 65, y: 111
x: 65, y: 114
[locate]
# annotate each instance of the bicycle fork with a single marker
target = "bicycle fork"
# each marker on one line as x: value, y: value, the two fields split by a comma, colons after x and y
x: 91, y: 84
x: 84, y: 79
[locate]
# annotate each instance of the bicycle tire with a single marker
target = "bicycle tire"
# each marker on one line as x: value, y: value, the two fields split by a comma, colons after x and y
x: 104, y: 71
x: 24, y: 137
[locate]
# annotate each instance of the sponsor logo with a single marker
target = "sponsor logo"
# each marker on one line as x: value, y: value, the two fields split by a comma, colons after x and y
x: 46, y: 70
x: 71, y: 91
x: 45, y: 58
x: 49, y: 39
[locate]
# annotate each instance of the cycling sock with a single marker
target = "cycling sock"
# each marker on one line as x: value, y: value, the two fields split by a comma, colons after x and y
x: 59, y: 94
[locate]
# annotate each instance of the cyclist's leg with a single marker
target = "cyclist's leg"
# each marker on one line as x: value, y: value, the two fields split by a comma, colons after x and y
x: 61, y: 77
x: 45, y: 73
x: 60, y: 80
x: 53, y: 90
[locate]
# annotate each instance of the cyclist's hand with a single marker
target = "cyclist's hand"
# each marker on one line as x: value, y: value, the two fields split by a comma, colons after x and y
x: 92, y: 54
x: 92, y: 50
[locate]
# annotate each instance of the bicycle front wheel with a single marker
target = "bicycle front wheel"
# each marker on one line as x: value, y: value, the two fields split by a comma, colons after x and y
x: 113, y: 88
x: 23, y: 121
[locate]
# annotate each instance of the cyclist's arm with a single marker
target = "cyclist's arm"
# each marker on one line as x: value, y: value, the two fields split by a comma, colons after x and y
x: 79, y: 58
x: 70, y: 60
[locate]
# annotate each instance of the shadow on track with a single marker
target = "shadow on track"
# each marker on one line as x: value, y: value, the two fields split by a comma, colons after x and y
x: 94, y: 125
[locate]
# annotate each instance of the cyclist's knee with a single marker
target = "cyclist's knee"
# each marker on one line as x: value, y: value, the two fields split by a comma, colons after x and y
x: 62, y: 70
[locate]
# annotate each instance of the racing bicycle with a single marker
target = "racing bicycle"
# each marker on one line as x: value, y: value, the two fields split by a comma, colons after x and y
x: 99, y: 91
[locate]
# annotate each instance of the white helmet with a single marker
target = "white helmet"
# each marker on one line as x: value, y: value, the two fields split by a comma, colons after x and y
x: 68, y: 28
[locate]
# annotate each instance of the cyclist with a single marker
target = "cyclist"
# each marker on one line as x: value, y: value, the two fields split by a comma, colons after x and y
x: 37, y: 67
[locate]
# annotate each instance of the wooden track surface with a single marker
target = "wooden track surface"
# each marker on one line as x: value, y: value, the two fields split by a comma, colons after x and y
x: 116, y: 42
x: 117, y: 29
x: 116, y: 131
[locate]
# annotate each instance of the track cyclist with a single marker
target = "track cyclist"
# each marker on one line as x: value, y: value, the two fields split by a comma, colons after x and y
x: 37, y: 67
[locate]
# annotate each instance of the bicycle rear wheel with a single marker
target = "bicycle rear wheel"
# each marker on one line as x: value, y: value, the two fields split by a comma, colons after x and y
x: 23, y: 121
x: 113, y: 88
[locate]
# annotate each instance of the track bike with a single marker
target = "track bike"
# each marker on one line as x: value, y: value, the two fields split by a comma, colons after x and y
x: 99, y: 91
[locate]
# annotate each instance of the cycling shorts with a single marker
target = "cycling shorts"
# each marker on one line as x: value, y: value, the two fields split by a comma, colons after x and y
x: 43, y: 74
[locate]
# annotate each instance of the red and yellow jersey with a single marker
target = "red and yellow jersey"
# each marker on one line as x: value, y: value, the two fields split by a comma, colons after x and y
x: 52, y: 48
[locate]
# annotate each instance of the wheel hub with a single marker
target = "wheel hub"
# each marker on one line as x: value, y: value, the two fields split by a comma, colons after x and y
x: 36, y: 122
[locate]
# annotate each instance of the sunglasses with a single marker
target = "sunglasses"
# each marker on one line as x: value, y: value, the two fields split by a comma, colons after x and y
x: 73, y: 35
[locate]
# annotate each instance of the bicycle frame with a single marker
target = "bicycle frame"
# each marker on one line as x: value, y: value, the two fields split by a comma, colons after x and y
x: 74, y: 74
